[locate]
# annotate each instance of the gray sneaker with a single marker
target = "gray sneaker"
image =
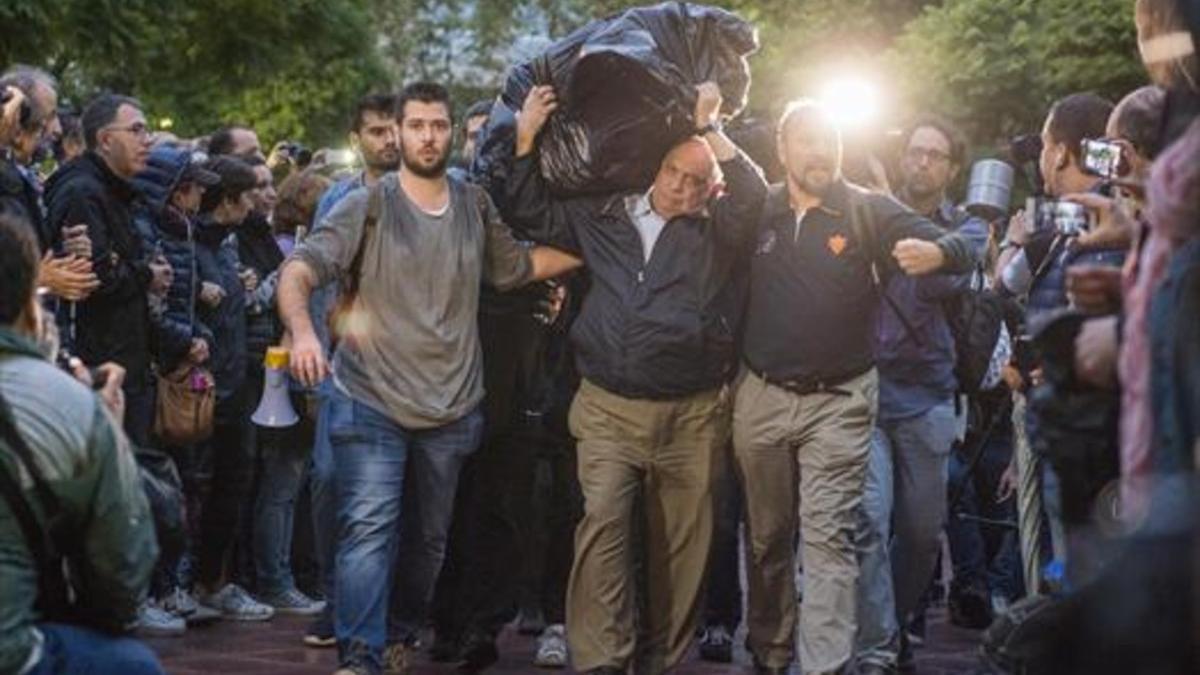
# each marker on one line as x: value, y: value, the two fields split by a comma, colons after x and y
x: 183, y: 604
x: 235, y: 604
x: 292, y: 601
x: 152, y: 620
x: 180, y: 603
x: 552, y: 647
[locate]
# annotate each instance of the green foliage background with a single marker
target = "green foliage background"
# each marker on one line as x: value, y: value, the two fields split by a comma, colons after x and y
x: 291, y: 68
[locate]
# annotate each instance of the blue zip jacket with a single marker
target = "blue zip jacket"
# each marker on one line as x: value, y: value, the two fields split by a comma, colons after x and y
x: 916, y: 368
x: 164, y: 228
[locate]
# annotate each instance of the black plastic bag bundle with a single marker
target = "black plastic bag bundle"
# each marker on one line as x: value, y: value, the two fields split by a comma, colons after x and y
x: 626, y: 91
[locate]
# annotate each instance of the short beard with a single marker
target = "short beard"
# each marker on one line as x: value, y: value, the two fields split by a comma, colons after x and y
x: 811, y: 188
x: 384, y: 167
x: 437, y: 170
x: 912, y: 189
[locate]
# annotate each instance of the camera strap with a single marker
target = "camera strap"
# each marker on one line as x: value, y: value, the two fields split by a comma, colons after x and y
x: 864, y: 233
x: 1056, y: 247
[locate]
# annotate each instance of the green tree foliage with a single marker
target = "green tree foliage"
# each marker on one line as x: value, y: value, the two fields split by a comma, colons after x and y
x: 289, y: 67
x: 292, y: 67
x: 997, y: 65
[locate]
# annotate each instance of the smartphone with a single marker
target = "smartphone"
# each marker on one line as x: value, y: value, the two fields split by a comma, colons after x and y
x: 1103, y: 158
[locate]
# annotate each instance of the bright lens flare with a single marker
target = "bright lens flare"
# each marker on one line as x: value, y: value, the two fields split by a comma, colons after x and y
x: 852, y: 102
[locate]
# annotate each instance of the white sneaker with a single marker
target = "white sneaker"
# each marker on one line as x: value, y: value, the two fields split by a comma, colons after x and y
x: 152, y: 620
x: 552, y: 647
x: 235, y: 604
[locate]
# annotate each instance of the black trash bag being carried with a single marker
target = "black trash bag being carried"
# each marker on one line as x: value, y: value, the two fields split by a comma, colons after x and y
x: 626, y: 91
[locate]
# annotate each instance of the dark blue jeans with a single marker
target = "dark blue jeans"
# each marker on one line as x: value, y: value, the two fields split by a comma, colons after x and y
x: 723, y: 597
x: 986, y: 557
x: 71, y: 649
x: 371, y: 454
x: 324, y: 495
x: 284, y: 455
x: 139, y: 413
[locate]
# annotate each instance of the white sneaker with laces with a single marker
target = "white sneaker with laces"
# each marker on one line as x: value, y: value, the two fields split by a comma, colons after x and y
x: 552, y: 647
x: 154, y: 621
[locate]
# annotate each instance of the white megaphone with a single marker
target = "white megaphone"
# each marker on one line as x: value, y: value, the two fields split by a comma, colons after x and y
x: 275, y: 407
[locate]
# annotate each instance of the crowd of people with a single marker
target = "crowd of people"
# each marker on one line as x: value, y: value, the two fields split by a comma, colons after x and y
x: 762, y: 390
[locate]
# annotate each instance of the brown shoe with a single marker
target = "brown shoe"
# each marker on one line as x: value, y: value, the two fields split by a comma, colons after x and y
x: 396, y: 659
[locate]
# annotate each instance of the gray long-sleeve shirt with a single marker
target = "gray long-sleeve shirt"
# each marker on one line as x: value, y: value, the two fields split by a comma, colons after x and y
x: 411, y: 349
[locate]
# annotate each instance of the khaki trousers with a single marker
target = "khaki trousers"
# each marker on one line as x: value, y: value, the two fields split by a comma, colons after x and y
x: 803, y: 456
x: 664, y: 453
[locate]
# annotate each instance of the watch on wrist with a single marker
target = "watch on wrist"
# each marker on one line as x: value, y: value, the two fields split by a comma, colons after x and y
x: 714, y: 127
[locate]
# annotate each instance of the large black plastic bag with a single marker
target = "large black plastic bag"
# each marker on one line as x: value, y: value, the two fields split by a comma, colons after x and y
x: 626, y: 90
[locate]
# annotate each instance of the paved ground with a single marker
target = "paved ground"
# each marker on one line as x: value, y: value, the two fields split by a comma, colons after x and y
x: 275, y: 647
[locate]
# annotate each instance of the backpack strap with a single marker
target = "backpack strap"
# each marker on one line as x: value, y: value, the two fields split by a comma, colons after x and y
x: 374, y: 206
x: 864, y: 232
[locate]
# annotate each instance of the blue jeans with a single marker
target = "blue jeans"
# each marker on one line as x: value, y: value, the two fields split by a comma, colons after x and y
x: 284, y: 455
x: 905, y: 496
x: 986, y: 557
x: 71, y: 649
x: 371, y: 456
x: 323, y: 492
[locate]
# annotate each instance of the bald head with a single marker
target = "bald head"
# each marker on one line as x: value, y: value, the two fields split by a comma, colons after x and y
x: 685, y: 178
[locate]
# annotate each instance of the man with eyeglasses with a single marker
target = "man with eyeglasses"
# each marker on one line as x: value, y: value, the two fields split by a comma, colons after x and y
x: 113, y: 323
x: 916, y: 423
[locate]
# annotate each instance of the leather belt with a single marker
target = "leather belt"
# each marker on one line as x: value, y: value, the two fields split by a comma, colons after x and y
x: 821, y: 385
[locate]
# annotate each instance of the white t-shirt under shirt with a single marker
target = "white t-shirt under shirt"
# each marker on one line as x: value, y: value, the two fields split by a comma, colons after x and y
x: 648, y: 223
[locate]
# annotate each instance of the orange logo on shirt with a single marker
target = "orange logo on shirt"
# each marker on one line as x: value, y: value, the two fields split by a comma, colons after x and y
x: 837, y: 244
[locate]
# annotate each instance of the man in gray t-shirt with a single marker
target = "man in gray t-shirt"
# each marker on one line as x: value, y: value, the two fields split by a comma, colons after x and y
x: 408, y: 371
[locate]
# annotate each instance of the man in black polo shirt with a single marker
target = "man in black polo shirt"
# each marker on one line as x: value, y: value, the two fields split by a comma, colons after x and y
x: 805, y: 406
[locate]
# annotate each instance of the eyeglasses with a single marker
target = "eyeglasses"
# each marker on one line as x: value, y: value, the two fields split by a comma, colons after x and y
x: 139, y: 130
x: 930, y: 155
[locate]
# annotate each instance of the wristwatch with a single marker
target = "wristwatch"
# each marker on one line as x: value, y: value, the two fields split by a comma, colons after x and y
x: 714, y: 127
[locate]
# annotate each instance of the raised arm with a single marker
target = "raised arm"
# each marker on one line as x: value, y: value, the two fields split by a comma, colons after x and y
x: 530, y: 209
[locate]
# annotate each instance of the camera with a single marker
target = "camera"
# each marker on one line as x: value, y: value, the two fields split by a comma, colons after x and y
x: 1025, y: 151
x: 1066, y: 218
x: 1103, y: 158
x: 1025, y: 148
x: 297, y: 153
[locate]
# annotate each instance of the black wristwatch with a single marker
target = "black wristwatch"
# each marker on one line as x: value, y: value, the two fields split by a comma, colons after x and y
x: 714, y: 127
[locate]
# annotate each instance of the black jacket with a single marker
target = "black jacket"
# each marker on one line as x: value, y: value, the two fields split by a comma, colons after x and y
x: 113, y: 324
x: 656, y: 330
x: 217, y: 258
x: 813, y: 301
x: 165, y: 229
x: 172, y: 234
x: 258, y: 250
x: 18, y: 193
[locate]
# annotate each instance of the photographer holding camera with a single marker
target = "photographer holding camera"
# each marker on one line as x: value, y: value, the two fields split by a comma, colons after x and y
x: 1034, y: 262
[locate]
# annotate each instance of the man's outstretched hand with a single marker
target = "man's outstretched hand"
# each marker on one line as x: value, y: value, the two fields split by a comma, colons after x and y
x: 917, y: 257
x: 539, y: 103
